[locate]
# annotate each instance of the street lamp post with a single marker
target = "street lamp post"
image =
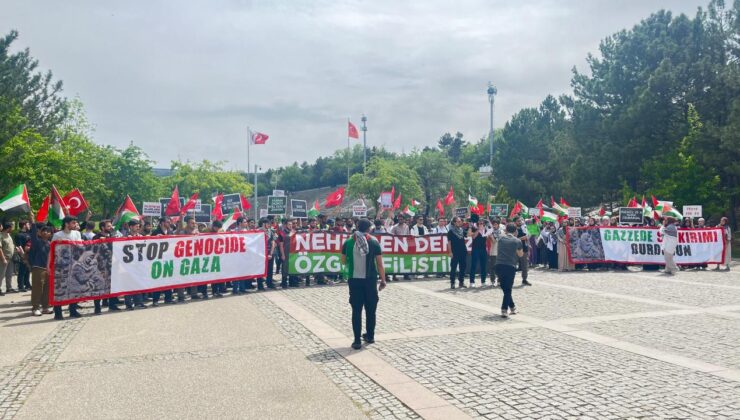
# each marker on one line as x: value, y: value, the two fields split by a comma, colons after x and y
x: 364, y: 143
x: 492, y: 91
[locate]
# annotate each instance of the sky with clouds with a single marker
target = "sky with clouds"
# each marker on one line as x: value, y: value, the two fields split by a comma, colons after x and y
x: 183, y: 80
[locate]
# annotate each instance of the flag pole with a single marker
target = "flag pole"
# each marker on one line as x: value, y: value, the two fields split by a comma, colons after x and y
x: 249, y: 142
x: 348, y: 122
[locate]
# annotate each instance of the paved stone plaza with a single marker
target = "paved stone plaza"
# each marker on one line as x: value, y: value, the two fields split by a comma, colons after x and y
x: 584, y: 345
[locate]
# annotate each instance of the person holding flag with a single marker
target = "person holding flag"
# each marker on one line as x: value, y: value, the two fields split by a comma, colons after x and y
x: 70, y: 232
x: 38, y: 258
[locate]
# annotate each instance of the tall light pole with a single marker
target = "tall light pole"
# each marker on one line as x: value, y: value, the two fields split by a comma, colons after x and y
x: 364, y: 143
x: 491, y: 94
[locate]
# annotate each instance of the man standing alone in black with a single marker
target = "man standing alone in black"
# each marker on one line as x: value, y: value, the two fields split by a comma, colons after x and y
x: 458, y: 251
x: 509, y: 253
x: 361, y: 255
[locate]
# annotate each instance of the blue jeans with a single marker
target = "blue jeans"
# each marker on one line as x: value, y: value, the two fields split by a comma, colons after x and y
x: 478, y: 257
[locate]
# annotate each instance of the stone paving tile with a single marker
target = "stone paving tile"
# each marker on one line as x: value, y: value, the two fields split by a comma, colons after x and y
x: 537, y: 373
x: 398, y: 310
x: 545, y: 302
x: 711, y: 338
x: 373, y: 399
x: 20, y: 380
x: 710, y: 277
x: 686, y: 294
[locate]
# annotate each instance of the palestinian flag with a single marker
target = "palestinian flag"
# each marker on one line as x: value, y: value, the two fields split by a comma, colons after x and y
x: 665, y: 208
x: 557, y: 209
x: 411, y: 211
x: 564, y: 204
x: 57, y: 208
x: 647, y: 211
x: 472, y: 201
x: 125, y: 213
x: 16, y: 201
x: 415, y: 203
x: 540, y: 205
x: 547, y: 216
x: 231, y: 219
x: 523, y: 210
x: 315, y: 210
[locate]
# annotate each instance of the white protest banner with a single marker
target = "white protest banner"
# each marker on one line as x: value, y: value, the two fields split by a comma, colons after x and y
x: 117, y: 266
x: 359, y: 210
x: 643, y: 245
x: 533, y: 211
x: 151, y: 208
x: 278, y: 193
x: 574, y: 212
x: 198, y: 205
x: 692, y: 211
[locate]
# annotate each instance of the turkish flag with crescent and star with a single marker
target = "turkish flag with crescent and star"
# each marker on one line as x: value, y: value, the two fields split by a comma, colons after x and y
x: 334, y: 199
x: 75, y: 202
x: 352, y: 131
x: 255, y: 137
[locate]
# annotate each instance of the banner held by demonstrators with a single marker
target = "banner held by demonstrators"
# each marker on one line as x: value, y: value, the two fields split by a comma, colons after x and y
x: 111, y: 267
x: 151, y: 208
x: 630, y: 215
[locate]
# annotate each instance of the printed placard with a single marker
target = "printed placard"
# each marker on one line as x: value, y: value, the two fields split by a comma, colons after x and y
x: 692, y: 211
x: 151, y: 208
x: 299, y: 209
x: 630, y: 215
x: 277, y: 205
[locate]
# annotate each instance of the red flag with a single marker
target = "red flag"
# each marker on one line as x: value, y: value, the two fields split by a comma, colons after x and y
x: 540, y: 206
x: 218, y: 213
x: 352, y: 131
x: 393, y: 193
x: 43, y: 212
x: 190, y: 204
x: 334, y: 199
x: 397, y: 203
x: 255, y: 137
x: 75, y: 202
x: 450, y: 197
x: 479, y: 209
x: 440, y: 208
x: 602, y: 211
x: 173, y: 207
x: 246, y: 205
x: 643, y: 202
x: 563, y: 202
x: 633, y: 202
x: 517, y: 208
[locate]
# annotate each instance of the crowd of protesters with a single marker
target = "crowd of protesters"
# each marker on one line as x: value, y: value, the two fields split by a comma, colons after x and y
x: 25, y: 251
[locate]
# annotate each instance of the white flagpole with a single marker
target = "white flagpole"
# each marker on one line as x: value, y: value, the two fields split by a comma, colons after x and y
x: 249, y: 142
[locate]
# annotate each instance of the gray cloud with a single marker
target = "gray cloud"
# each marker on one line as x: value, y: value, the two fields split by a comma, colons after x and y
x: 185, y: 80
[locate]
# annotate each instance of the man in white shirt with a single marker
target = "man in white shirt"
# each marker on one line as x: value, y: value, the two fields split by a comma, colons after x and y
x: 419, y: 229
x: 70, y: 232
x: 441, y: 226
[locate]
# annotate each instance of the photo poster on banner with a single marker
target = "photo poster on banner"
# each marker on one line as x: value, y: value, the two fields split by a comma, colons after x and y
x: 151, y: 209
x: 386, y: 200
x: 277, y: 205
x: 298, y: 209
x: 230, y: 201
x: 630, y: 215
x: 165, y: 201
x: 499, y: 210
x: 461, y: 212
x: 692, y: 211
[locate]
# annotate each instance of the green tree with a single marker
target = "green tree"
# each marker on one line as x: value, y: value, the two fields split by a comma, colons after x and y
x: 383, y: 174
x: 207, y: 178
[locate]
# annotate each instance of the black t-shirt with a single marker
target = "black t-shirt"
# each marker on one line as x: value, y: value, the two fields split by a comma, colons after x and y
x: 479, y: 242
x: 521, y: 231
x: 457, y: 245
